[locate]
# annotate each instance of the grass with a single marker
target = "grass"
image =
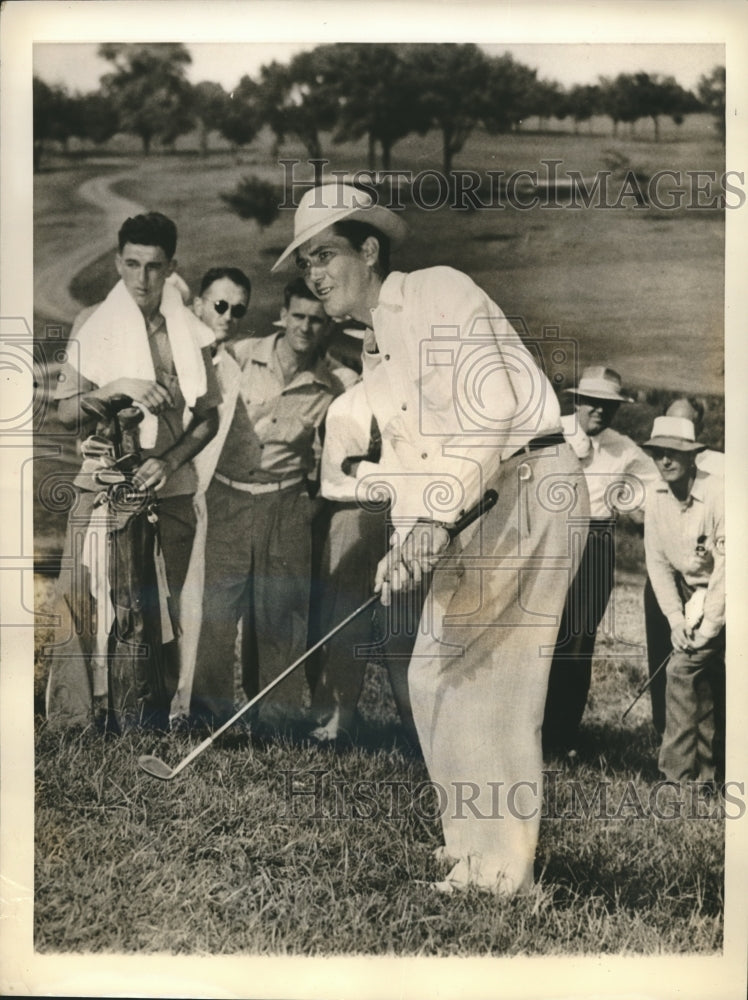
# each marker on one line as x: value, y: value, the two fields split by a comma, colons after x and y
x: 225, y: 859
x: 216, y: 862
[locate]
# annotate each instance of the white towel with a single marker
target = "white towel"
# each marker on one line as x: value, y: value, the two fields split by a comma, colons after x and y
x: 113, y: 343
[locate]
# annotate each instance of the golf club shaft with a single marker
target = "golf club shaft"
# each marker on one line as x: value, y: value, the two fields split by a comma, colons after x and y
x: 487, y: 501
x: 648, y: 683
x: 274, y: 683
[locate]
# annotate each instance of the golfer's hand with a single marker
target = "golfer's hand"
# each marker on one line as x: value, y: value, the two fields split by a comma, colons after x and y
x: 407, y: 563
x: 153, y: 396
x: 681, y: 639
x: 152, y: 474
x: 698, y: 640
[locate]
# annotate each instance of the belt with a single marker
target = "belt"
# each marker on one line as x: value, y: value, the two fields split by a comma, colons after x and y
x: 257, y: 488
x: 545, y: 441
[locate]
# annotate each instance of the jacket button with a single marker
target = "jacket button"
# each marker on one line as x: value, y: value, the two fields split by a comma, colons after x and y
x: 404, y: 406
x: 386, y: 357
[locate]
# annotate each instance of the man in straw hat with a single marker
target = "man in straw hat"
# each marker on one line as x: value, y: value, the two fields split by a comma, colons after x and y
x: 617, y: 472
x: 462, y: 407
x: 656, y: 624
x: 685, y: 548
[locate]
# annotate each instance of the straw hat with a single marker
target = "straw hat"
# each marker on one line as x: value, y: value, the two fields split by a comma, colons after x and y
x: 673, y: 432
x: 600, y: 382
x: 323, y: 206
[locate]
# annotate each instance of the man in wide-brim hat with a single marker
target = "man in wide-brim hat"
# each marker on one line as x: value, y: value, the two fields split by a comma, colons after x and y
x: 655, y: 623
x: 684, y: 542
x: 477, y: 677
x: 616, y: 471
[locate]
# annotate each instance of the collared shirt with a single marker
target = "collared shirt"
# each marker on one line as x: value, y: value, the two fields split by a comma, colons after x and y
x: 170, y: 427
x: 712, y: 462
x: 454, y: 391
x: 273, y: 434
x: 227, y: 374
x: 687, y: 539
x: 616, y: 470
x: 347, y: 433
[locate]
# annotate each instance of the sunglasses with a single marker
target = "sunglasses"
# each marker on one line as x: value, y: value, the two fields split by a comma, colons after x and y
x: 236, y: 311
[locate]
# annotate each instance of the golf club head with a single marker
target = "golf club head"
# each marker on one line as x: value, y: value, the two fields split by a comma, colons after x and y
x: 155, y: 767
x: 130, y: 417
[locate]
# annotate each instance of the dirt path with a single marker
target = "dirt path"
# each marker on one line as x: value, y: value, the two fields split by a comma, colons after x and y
x: 52, y: 297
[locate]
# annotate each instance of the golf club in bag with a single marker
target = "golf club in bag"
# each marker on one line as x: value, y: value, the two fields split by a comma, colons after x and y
x: 158, y: 769
x: 135, y: 663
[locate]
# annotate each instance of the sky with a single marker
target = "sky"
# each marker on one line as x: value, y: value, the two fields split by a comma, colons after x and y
x: 77, y: 66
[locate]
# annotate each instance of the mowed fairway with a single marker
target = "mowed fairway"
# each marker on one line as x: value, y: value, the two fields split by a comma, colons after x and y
x: 642, y: 287
x: 229, y: 858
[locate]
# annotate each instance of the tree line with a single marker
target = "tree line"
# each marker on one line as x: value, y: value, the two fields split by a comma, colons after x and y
x: 379, y: 91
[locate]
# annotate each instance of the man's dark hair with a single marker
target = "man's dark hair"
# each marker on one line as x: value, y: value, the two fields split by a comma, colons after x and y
x: 150, y: 230
x: 298, y: 289
x: 232, y: 273
x: 357, y: 232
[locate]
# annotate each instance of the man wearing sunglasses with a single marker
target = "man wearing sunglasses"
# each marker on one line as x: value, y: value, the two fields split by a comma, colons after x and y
x: 223, y: 301
x: 258, y: 546
x: 221, y: 304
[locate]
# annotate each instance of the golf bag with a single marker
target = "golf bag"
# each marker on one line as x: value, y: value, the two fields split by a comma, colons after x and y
x: 136, y: 677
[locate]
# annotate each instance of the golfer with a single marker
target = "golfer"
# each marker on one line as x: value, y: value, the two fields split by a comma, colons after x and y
x: 462, y: 407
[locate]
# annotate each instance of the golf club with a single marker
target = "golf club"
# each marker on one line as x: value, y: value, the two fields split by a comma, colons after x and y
x: 647, y: 684
x: 159, y: 769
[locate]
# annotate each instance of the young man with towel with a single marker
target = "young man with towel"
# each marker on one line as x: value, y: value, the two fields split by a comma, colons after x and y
x: 143, y: 343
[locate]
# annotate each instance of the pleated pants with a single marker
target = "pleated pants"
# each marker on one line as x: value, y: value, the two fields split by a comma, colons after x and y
x: 479, y: 671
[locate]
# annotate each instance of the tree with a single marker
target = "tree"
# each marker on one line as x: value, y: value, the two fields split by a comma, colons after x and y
x: 50, y: 117
x: 149, y: 89
x: 295, y: 100
x: 508, y: 95
x: 451, y: 81
x: 632, y: 96
x: 712, y: 91
x: 583, y: 101
x: 546, y: 99
x: 617, y: 101
x: 372, y: 86
x: 242, y: 115
x: 254, y: 199
x: 92, y: 116
x: 211, y: 105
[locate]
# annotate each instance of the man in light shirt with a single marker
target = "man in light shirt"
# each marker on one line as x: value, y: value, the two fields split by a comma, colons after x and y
x: 258, y: 546
x: 616, y: 471
x: 684, y: 541
x: 355, y: 539
x: 657, y: 627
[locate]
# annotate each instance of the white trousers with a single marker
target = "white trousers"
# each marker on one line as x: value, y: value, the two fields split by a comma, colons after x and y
x: 479, y: 671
